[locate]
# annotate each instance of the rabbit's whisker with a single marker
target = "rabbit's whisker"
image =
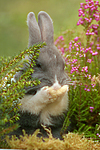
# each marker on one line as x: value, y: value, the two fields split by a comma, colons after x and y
x: 71, y: 82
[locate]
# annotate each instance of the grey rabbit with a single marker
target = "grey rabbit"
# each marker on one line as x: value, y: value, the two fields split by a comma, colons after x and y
x: 38, y: 106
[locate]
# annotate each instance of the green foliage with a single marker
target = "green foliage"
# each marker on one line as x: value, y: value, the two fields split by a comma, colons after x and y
x: 82, y: 58
x: 11, y: 90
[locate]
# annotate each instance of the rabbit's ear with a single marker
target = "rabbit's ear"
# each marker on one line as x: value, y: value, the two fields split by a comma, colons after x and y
x: 46, y: 27
x: 34, y: 30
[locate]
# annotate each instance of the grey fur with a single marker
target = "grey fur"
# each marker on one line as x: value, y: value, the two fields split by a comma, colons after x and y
x: 34, y: 30
x: 49, y: 70
x: 46, y: 27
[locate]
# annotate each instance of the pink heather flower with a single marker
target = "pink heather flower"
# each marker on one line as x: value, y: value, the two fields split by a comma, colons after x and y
x: 62, y: 50
x: 98, y: 134
x: 75, y: 44
x: 76, y: 39
x: 96, y: 32
x: 86, y: 50
x: 77, y: 53
x: 56, y: 41
x: 81, y: 5
x: 91, y: 109
x: 87, y: 33
x: 89, y: 76
x: 91, y: 43
x: 93, y: 85
x: 89, y: 48
x: 74, y: 61
x: 81, y: 49
x: 86, y: 86
x: 77, y: 49
x: 61, y: 38
x: 94, y: 53
x: 90, y: 19
x: 70, y: 46
x: 70, y: 43
x: 85, y: 89
x: 86, y: 6
x: 80, y: 21
x: 74, y: 69
x: 85, y: 75
x: 97, y: 2
x: 98, y: 44
x: 98, y: 47
x: 88, y: 90
x: 96, y: 16
x: 66, y: 49
x: 94, y: 26
x: 87, y: 19
x: 91, y: 51
x: 79, y: 43
x: 98, y: 39
x: 91, y: 33
x: 89, y: 60
x: 85, y: 69
x: 81, y: 12
x: 80, y: 55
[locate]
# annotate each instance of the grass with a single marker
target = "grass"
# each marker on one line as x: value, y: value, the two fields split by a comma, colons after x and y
x: 13, y: 14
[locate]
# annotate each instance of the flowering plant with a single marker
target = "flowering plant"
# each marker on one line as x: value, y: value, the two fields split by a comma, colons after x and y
x: 82, y: 58
x: 11, y: 90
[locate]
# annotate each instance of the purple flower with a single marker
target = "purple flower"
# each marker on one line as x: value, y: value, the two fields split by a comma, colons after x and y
x: 81, y: 5
x: 98, y: 47
x: 89, y: 76
x: 88, y: 90
x: 93, y: 85
x: 85, y: 89
x: 62, y: 50
x: 97, y: 2
x: 74, y: 69
x: 85, y: 69
x: 80, y: 21
x: 86, y: 86
x: 91, y: 109
x: 89, y: 60
x: 74, y: 61
x: 61, y: 38
x: 86, y: 50
x: 94, y: 53
x: 76, y: 39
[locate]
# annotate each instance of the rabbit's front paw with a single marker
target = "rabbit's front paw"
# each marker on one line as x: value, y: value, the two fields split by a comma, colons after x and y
x: 46, y: 95
x: 51, y: 95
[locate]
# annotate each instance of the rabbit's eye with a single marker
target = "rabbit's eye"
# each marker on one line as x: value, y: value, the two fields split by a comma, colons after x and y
x: 38, y: 64
x: 32, y: 92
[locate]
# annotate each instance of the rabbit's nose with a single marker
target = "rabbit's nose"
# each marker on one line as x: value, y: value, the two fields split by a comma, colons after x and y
x: 56, y: 86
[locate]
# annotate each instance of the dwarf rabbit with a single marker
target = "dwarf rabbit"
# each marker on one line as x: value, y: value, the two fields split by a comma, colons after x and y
x: 44, y: 104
